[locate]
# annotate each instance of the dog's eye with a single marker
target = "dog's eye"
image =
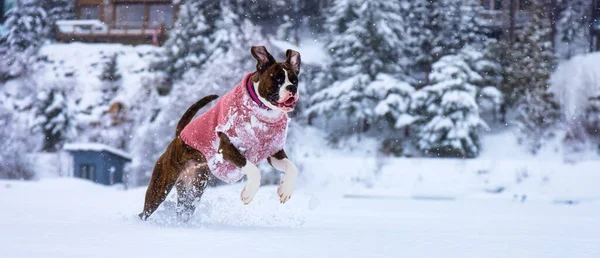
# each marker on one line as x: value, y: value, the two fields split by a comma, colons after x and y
x: 279, y: 79
x: 294, y: 81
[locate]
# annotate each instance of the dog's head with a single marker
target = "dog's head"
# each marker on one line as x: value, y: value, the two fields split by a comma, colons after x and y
x: 277, y: 81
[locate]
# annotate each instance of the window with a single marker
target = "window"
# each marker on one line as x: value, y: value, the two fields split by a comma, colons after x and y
x: 88, y: 171
x: 492, y: 4
x: 130, y: 16
x: 89, y: 12
x: 161, y: 14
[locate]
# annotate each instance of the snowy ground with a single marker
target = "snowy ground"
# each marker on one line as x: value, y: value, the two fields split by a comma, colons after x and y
x: 74, y: 218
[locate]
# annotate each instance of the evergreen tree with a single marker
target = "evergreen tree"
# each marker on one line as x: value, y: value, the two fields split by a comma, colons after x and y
x: 52, y: 116
x: 537, y: 111
x: 27, y: 28
x: 537, y: 114
x: 366, y: 41
x: 58, y: 10
x: 15, y: 142
x: 111, y: 79
x: 432, y: 29
x: 572, y: 26
x: 446, y: 111
x: 187, y: 45
x: 592, y: 116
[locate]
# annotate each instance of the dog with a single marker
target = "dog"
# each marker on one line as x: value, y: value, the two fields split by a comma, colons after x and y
x: 247, y: 125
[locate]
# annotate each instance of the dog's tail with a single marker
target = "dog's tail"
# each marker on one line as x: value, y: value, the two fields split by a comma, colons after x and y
x: 191, y: 112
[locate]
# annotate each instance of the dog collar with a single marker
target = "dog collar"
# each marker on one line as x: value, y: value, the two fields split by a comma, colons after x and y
x: 253, y: 95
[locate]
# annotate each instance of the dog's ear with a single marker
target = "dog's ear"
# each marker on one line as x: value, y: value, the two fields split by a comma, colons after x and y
x: 293, y: 59
x: 263, y: 58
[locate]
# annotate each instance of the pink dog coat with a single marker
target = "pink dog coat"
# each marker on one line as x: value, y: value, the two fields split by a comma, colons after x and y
x: 255, y: 131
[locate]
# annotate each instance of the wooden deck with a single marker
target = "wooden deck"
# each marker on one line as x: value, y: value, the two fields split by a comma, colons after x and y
x: 110, y: 34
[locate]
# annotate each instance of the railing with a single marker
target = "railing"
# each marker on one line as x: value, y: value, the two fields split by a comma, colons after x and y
x: 96, y: 31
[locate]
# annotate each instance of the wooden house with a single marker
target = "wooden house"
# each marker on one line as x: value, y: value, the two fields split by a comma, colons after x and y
x: 131, y: 22
x: 97, y: 162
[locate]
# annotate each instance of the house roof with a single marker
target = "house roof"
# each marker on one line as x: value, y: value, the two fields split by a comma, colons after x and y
x: 96, y: 147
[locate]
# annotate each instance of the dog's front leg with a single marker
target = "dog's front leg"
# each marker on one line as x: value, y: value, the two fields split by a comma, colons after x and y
x: 288, y: 182
x: 232, y: 154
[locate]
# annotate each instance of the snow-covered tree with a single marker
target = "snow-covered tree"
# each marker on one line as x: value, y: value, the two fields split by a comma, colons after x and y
x: 289, y: 29
x: 15, y: 141
x: 436, y: 28
x: 573, y: 26
x: 111, y: 79
x: 58, y: 10
x: 530, y: 60
x: 52, y: 118
x: 188, y: 43
x: 394, y: 98
x: 537, y: 111
x: 366, y: 41
x: 592, y: 116
x: 537, y: 115
x: 446, y: 110
x: 489, y: 98
x: 27, y: 28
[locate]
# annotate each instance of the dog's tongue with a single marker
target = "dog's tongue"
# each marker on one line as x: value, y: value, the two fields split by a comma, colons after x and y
x: 290, y: 101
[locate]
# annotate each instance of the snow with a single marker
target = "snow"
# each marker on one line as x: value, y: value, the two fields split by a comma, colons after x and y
x: 574, y: 82
x: 99, y: 221
x: 95, y: 147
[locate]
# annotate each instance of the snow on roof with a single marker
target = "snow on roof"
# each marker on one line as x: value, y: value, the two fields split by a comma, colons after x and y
x: 79, y: 22
x: 95, y: 147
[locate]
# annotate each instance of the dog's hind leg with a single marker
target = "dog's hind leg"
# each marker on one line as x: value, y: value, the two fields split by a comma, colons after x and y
x: 190, y: 187
x: 163, y: 179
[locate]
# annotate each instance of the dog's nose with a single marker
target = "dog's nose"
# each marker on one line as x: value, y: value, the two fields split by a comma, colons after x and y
x: 292, y: 88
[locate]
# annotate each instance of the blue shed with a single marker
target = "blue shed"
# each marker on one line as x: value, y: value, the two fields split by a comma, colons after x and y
x: 98, y: 162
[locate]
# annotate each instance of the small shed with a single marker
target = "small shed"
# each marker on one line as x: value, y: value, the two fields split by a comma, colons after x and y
x: 98, y: 162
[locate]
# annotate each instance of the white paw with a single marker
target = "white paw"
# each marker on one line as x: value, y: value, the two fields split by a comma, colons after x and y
x: 249, y: 192
x: 286, y: 188
x: 253, y: 175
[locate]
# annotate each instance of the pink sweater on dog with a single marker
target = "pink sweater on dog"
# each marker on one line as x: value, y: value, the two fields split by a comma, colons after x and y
x: 255, y: 131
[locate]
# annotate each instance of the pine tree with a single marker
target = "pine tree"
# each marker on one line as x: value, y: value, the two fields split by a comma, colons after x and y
x: 15, y: 142
x: 537, y: 114
x: 52, y: 116
x: 288, y: 30
x: 572, y: 26
x: 592, y: 116
x: 186, y: 47
x: 111, y: 78
x: 58, y: 10
x: 432, y: 29
x: 446, y: 110
x: 471, y: 28
x: 537, y: 111
x: 366, y: 41
x: 27, y: 28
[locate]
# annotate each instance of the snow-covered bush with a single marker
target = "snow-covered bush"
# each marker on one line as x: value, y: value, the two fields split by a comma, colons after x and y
x: 447, y: 116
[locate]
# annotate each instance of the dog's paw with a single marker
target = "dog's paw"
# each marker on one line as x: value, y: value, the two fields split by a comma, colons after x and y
x: 248, y: 193
x: 286, y: 188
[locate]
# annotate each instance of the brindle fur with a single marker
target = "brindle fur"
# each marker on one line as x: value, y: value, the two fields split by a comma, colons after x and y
x: 185, y: 167
x: 269, y: 71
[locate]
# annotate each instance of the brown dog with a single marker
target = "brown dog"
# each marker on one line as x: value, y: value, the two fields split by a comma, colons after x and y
x: 247, y: 125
